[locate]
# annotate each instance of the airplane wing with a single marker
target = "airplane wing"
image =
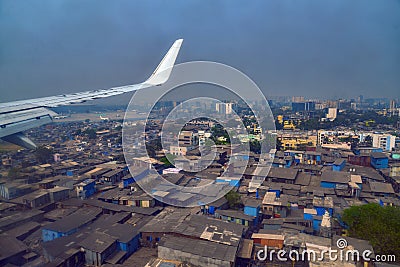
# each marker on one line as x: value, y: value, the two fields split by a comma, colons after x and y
x: 22, y: 115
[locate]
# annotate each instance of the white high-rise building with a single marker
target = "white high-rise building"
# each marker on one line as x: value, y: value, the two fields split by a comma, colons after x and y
x: 392, y: 107
x: 384, y: 141
x: 224, y: 108
x: 332, y: 114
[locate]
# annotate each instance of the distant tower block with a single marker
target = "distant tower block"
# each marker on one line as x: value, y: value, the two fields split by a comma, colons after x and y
x: 326, y: 226
x: 332, y: 114
x: 297, y: 99
x: 392, y: 107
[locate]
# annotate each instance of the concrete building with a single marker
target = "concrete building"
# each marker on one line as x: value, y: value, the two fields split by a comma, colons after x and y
x: 379, y: 160
x: 12, y: 251
x: 211, y: 208
x: 6, y: 160
x: 274, y: 205
x: 296, y: 140
x: 334, y: 137
x: 203, y: 136
x: 98, y: 247
x: 14, y: 189
x: 86, y: 188
x: 238, y: 217
x: 379, y: 189
x: 385, y: 141
x: 303, y: 106
x: 58, y: 193
x: 114, y: 177
x: 179, y: 222
x: 332, y: 114
x: 187, y: 138
x: 65, y: 251
x: 35, y: 199
x: 127, y: 197
x: 297, y: 99
x: 197, y: 252
x: 269, y: 240
x: 282, y: 175
x: 70, y: 224
x: 224, y: 108
x: 335, y: 179
x: 178, y: 150
x: 338, y: 164
x: 252, y: 207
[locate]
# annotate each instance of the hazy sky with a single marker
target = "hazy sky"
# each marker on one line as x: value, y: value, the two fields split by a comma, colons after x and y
x: 336, y: 48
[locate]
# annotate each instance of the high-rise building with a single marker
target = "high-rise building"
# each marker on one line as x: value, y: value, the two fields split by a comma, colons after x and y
x: 332, y: 114
x: 332, y: 103
x: 303, y: 106
x: 224, y: 108
x: 187, y: 138
x: 297, y: 99
x: 392, y: 107
x: 384, y: 141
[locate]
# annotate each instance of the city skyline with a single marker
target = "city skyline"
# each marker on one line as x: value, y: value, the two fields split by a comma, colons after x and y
x: 287, y: 48
x: 182, y: 134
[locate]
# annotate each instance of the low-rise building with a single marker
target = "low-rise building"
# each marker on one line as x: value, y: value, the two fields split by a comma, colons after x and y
x: 197, y: 252
x: 114, y: 176
x: 335, y: 179
x: 98, y: 247
x: 282, y: 175
x: 252, y: 207
x: 269, y: 240
x: 85, y: 189
x: 58, y: 193
x: 379, y: 160
x: 35, y: 199
x: 379, y: 189
x: 11, y: 251
x: 14, y: 189
x: 70, y: 224
x: 339, y: 164
x: 237, y: 217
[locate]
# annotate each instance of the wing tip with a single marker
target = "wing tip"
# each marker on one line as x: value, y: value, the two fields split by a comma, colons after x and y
x: 162, y: 72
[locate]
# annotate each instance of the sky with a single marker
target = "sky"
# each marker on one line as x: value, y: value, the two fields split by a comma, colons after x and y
x: 314, y: 48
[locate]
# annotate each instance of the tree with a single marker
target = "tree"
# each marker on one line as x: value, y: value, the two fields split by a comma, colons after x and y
x: 166, y: 160
x: 379, y: 225
x: 43, y: 154
x: 153, y: 146
x: 255, y: 146
x: 233, y: 199
x: 91, y: 133
x: 219, y: 131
